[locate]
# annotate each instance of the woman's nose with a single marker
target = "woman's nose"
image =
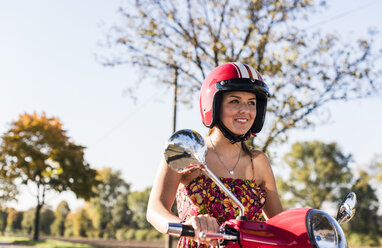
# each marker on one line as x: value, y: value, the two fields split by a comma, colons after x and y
x: 244, y: 108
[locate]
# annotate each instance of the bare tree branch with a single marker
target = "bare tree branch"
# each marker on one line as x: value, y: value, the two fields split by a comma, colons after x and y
x: 305, y: 70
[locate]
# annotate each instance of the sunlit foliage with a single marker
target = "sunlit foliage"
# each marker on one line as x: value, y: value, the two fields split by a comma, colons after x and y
x: 306, y: 69
x: 60, y: 214
x: 318, y: 173
x: 101, y: 207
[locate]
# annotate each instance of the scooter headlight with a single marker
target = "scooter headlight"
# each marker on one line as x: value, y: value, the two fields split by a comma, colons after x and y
x: 324, y: 231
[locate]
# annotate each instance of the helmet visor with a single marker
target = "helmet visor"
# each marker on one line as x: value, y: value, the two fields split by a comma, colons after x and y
x: 244, y: 84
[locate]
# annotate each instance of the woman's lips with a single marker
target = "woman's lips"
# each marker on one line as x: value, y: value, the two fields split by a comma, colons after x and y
x: 241, y: 120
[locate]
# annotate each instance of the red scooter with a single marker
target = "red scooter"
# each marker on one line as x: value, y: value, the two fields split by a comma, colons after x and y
x: 303, y: 227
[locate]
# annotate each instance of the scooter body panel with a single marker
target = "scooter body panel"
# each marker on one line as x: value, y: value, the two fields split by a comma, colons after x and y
x: 287, y: 229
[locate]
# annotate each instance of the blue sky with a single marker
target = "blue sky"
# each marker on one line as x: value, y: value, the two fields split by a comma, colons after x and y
x: 47, y: 63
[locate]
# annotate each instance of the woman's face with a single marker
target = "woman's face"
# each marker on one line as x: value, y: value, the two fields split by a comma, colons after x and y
x: 238, y: 111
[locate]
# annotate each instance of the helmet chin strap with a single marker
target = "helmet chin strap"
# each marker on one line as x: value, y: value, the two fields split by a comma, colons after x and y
x: 233, y: 138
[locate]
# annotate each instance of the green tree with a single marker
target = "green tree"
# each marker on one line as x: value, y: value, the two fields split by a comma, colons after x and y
x: 365, y: 225
x: 47, y: 218
x: 121, y: 213
x: 61, y: 212
x: 69, y: 225
x: 318, y: 172
x: 81, y: 223
x: 37, y: 151
x: 111, y: 187
x: 8, y: 191
x: 99, y: 217
x: 376, y: 168
x: 14, y: 220
x: 3, y: 220
x: 179, y: 42
x: 137, y: 202
x: 28, y: 220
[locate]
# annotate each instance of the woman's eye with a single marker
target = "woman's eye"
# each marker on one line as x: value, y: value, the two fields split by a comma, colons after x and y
x: 234, y: 101
x: 252, y: 103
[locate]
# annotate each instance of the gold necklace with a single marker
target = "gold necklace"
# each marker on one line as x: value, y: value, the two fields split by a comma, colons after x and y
x: 217, y: 154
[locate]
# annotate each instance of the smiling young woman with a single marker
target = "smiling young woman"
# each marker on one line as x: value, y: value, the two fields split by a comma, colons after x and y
x: 238, y: 111
x: 233, y: 100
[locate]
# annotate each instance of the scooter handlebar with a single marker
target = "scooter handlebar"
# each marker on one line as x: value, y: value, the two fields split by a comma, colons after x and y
x: 180, y: 230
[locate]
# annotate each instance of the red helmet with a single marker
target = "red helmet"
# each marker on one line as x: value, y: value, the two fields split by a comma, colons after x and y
x: 232, y: 77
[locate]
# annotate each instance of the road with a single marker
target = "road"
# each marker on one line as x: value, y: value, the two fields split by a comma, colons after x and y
x: 115, y: 243
x: 4, y: 244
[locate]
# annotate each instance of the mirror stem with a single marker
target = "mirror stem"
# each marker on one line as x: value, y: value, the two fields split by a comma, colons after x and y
x: 347, y: 213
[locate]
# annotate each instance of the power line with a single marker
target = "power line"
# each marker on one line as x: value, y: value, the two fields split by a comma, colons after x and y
x: 126, y: 119
x: 343, y: 14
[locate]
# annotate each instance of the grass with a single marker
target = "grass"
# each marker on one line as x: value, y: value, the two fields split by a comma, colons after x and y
x: 48, y: 243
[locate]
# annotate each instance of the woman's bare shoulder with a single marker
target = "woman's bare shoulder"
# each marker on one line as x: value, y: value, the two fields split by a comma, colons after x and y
x: 258, y: 155
x: 262, y: 167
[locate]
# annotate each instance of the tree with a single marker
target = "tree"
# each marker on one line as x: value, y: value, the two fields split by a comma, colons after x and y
x: 365, y: 225
x: 376, y: 168
x: 318, y: 173
x: 306, y: 69
x: 121, y: 213
x: 28, y: 220
x: 99, y: 218
x: 61, y: 212
x: 14, y: 220
x: 47, y: 218
x: 111, y: 187
x: 138, y: 204
x: 69, y: 225
x: 37, y: 151
x: 8, y: 191
x: 81, y: 222
x: 3, y: 220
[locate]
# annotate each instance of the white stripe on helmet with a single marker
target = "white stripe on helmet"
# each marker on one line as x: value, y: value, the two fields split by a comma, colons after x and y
x: 243, y: 70
x: 255, y: 74
x: 237, y: 69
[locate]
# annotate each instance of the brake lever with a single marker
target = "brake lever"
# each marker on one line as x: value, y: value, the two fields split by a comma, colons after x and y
x: 204, y: 235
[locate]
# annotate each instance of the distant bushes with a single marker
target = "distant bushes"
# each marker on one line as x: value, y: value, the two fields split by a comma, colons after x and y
x: 358, y: 239
x: 138, y: 234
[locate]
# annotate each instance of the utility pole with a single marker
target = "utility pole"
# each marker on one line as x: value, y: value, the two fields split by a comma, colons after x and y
x: 169, y: 239
x: 175, y: 97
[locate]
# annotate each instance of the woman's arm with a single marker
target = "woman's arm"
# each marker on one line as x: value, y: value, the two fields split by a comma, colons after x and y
x: 272, y: 205
x: 162, y: 197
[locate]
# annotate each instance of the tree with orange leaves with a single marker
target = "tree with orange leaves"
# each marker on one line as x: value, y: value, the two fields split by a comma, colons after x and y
x: 37, y: 151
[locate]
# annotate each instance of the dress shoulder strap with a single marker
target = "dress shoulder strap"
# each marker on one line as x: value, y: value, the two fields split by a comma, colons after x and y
x: 253, y: 168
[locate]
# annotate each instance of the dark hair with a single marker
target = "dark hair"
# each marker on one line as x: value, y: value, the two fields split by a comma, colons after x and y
x: 246, y: 149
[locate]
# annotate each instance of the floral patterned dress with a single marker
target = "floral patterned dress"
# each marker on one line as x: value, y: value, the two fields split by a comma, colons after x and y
x: 203, y: 196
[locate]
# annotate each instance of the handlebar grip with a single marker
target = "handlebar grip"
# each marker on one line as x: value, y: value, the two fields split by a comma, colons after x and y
x: 187, y: 231
x: 180, y: 230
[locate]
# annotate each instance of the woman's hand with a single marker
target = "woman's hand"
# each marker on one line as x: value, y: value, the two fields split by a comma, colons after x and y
x: 204, y: 223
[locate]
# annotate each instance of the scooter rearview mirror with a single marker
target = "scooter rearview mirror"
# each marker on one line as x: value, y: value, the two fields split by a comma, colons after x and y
x: 347, y: 209
x: 186, y: 150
